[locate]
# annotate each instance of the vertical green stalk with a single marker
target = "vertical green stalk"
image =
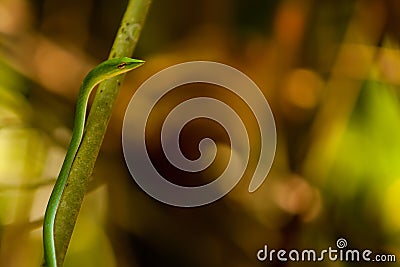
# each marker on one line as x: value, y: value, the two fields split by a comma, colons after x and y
x: 99, y: 116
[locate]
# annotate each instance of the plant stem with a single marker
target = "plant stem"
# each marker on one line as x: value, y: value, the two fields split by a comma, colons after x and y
x: 99, y: 116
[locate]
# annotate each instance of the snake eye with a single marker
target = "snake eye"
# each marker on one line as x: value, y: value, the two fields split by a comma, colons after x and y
x: 122, y: 65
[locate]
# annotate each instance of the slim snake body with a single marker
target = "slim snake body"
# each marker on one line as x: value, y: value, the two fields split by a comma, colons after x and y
x: 101, y: 72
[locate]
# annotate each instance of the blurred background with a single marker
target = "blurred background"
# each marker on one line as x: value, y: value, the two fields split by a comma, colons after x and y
x: 329, y: 69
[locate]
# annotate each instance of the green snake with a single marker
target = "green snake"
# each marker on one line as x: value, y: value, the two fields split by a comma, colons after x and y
x: 103, y: 71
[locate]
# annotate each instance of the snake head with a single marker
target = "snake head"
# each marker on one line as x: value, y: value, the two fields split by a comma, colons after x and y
x: 127, y: 64
x: 115, y: 66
